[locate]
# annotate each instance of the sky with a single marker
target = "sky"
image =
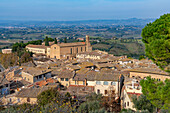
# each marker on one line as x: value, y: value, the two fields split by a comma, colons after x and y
x: 67, y: 10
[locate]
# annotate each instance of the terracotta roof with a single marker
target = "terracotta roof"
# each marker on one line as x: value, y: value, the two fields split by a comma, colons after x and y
x: 107, y: 76
x: 3, y: 80
x: 104, y: 65
x: 46, y: 82
x: 65, y: 74
x: 78, y: 90
x: 126, y: 59
x: 98, y: 76
x: 36, y: 46
x: 73, y: 67
x: 71, y: 44
x: 32, y: 92
x: 82, y: 77
x: 149, y: 70
x: 86, y: 64
x: 35, y: 71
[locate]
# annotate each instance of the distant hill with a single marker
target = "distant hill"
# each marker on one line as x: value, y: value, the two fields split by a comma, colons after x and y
x: 130, y: 21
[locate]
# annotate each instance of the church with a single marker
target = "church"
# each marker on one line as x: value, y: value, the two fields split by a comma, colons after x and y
x: 61, y: 50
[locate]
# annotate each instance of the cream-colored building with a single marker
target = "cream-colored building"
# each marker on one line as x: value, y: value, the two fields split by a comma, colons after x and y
x: 34, y: 74
x: 130, y: 89
x: 6, y: 51
x: 156, y: 74
x: 26, y: 95
x: 61, y: 50
x: 65, y: 77
x: 38, y: 49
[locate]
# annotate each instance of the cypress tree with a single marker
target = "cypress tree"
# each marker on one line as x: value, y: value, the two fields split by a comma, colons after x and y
x: 65, y: 40
x: 55, y: 41
x: 46, y: 41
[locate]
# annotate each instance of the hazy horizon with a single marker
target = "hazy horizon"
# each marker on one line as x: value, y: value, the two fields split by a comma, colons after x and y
x: 77, y: 10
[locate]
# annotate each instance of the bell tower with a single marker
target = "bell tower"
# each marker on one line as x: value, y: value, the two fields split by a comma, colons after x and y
x: 88, y: 45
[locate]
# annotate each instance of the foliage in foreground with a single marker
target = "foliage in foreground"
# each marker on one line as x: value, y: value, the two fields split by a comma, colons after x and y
x: 156, y: 37
x: 142, y: 103
x: 157, y: 92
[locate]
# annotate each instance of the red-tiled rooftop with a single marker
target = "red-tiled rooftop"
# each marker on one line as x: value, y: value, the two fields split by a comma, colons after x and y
x: 37, y: 46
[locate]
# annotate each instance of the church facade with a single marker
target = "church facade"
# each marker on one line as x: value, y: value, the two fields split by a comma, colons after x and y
x: 62, y: 50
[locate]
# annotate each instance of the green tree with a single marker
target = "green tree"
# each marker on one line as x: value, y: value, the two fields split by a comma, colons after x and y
x: 48, y: 96
x: 46, y: 41
x: 142, y: 103
x: 156, y: 37
x: 49, y: 39
x: 65, y: 40
x: 89, y: 106
x: 55, y: 41
x: 157, y: 92
x: 141, y: 57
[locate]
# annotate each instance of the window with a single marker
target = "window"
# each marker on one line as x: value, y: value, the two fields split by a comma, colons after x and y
x: 81, y: 49
x: 127, y: 103
x: 75, y: 82
x: 71, y: 51
x: 40, y: 76
x: 54, y: 47
x: 98, y: 91
x: 6, y: 85
x: 77, y: 50
x: 54, y: 56
x: 98, y: 82
x: 113, y: 92
x: 66, y: 79
x: 113, y: 83
x: 28, y: 99
x: 105, y: 92
x: 62, y: 79
x: 85, y: 48
x: 105, y: 83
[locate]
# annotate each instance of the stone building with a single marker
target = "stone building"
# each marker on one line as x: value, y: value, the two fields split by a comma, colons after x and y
x: 156, y: 74
x: 61, y: 50
x: 6, y: 51
x: 130, y: 89
x: 35, y: 74
x: 38, y: 49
